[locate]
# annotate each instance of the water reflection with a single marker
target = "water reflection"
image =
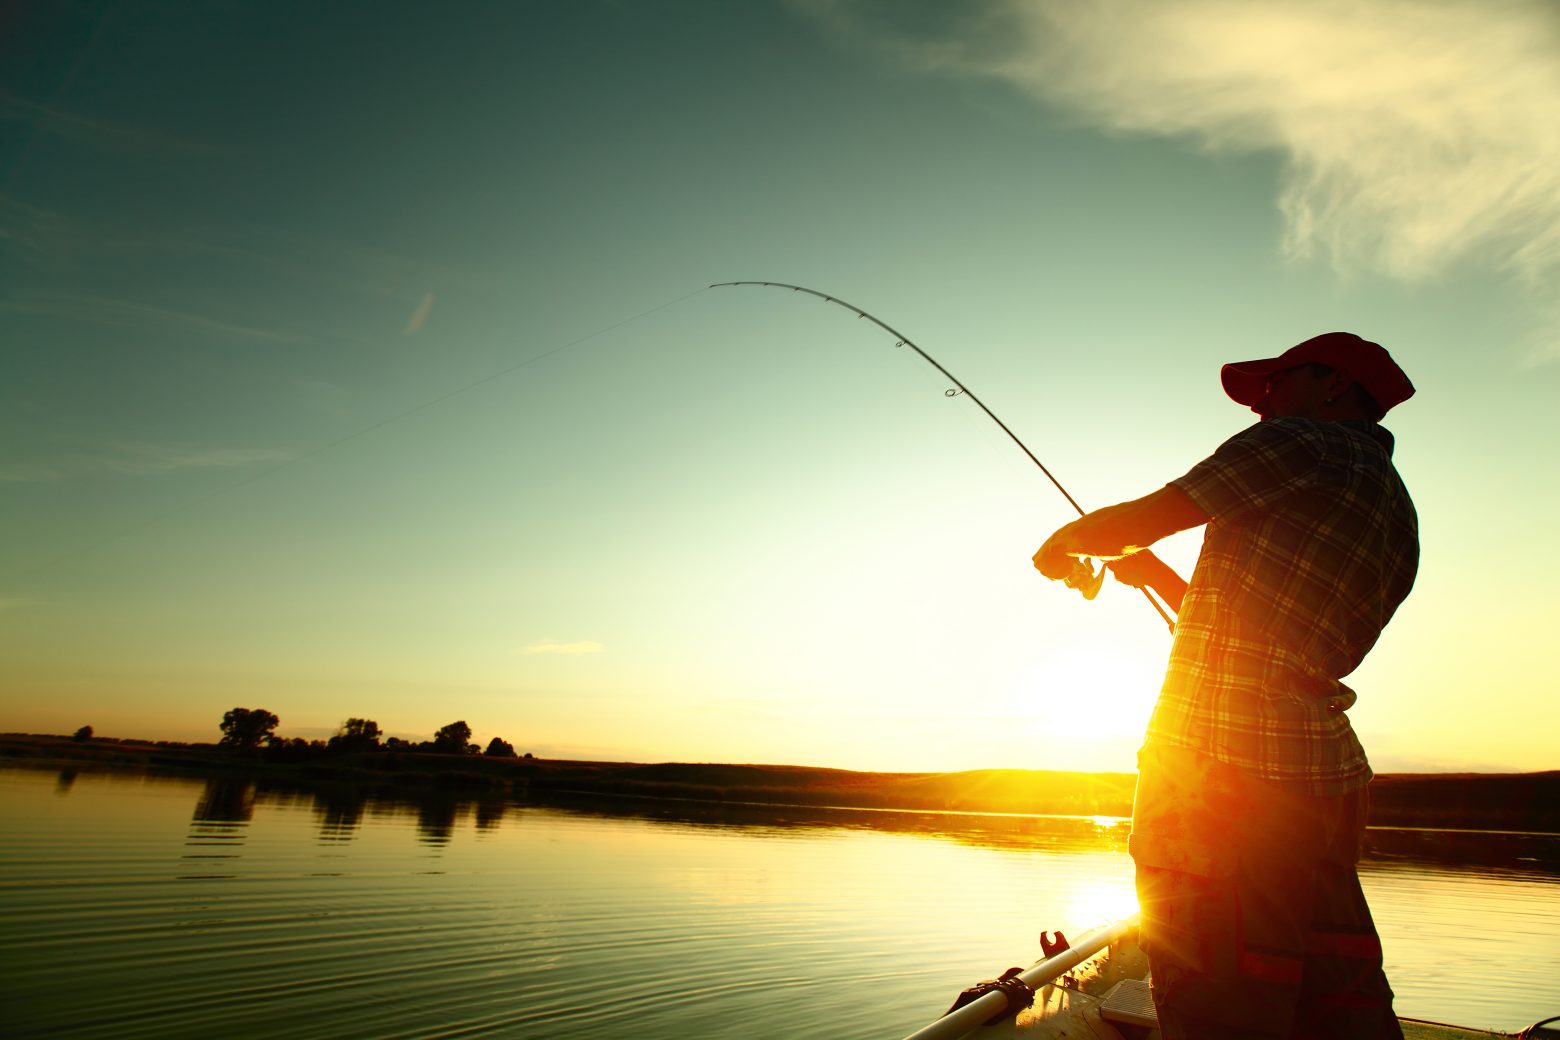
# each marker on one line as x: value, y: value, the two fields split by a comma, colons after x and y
x: 226, y: 801
x: 219, y: 826
x: 490, y: 814
x: 1501, y: 849
x: 437, y: 814
x: 339, y: 811
x: 988, y: 830
x: 715, y: 920
x: 226, y: 804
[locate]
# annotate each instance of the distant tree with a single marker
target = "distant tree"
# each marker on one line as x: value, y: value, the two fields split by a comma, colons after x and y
x: 356, y: 735
x: 499, y: 747
x: 368, y: 729
x: 288, y: 749
x: 452, y: 739
x: 247, y: 727
x: 82, y: 735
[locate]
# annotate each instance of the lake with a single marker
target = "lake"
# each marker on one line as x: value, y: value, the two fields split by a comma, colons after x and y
x: 145, y: 906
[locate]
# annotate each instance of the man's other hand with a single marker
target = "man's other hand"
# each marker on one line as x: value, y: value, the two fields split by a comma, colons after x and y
x: 1139, y: 570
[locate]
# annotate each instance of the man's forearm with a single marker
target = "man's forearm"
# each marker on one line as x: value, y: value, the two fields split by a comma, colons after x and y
x: 1119, y: 530
x: 1131, y: 526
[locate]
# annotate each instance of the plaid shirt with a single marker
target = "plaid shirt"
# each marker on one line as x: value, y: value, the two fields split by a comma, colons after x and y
x: 1312, y: 544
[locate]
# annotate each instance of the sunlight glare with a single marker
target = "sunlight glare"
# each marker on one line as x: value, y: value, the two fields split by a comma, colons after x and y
x: 1102, y: 900
x: 1093, y: 697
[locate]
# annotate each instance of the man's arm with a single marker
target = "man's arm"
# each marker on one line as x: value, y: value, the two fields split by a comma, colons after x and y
x: 1121, y: 530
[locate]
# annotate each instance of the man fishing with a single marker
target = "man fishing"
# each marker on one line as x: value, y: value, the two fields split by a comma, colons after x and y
x: 1251, y: 797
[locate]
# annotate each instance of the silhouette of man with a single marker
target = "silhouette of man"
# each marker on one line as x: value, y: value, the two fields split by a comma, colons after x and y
x: 1250, y: 806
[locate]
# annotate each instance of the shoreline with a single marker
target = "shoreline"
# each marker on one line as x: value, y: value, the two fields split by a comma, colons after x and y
x: 1519, y: 803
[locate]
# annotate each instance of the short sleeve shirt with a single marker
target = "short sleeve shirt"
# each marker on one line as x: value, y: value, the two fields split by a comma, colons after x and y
x: 1311, y: 545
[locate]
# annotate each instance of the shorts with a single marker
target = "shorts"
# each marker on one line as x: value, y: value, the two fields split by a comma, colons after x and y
x: 1252, y: 913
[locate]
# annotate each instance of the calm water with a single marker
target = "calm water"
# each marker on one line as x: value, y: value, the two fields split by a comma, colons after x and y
x: 153, y: 907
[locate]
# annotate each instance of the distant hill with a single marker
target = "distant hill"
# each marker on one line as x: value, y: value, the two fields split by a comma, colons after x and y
x: 1481, y: 801
x: 981, y: 790
x: 1489, y: 801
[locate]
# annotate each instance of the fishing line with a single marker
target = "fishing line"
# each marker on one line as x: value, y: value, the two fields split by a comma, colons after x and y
x: 963, y: 391
x: 315, y: 452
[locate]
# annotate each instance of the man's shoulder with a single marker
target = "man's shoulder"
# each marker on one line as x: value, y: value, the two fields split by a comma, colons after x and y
x: 1318, y: 435
x: 1272, y: 437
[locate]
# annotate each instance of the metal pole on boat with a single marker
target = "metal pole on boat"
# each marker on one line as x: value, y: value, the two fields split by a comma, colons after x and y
x: 972, y: 1015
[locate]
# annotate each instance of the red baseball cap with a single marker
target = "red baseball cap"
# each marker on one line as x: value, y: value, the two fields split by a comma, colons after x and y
x: 1367, y: 363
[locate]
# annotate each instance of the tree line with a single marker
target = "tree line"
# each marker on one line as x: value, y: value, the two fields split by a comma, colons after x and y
x: 250, y: 729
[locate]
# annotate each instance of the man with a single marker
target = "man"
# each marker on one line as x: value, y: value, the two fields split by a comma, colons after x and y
x: 1250, y: 805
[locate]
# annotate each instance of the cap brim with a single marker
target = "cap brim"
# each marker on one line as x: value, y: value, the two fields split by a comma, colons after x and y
x: 1246, y: 381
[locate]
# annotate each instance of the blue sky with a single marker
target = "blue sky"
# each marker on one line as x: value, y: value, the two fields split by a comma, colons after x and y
x: 356, y: 364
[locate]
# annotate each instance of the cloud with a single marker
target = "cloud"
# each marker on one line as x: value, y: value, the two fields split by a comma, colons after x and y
x: 97, y: 133
x: 1412, y: 132
x: 68, y: 253
x: 132, y: 459
x: 420, y: 317
x: 550, y: 647
x: 126, y: 314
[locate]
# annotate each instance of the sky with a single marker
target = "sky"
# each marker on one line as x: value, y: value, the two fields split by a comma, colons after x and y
x: 357, y: 360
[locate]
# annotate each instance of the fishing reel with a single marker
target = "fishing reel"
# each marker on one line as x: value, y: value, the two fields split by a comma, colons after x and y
x: 1084, y: 579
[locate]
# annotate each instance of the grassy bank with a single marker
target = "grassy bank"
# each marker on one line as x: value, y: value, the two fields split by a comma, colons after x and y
x: 1488, y: 801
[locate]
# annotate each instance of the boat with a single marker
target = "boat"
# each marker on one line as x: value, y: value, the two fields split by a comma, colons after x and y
x: 1096, y: 988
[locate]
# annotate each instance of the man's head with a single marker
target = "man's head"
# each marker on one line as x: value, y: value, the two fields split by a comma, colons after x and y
x: 1336, y: 375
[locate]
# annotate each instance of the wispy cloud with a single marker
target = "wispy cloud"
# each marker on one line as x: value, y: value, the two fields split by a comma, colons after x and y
x: 130, y: 314
x: 82, y: 265
x: 132, y: 459
x: 1413, y: 132
x: 420, y: 316
x: 550, y: 647
x: 97, y: 133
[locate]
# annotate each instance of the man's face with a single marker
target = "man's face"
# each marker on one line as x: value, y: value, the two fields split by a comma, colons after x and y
x: 1295, y: 393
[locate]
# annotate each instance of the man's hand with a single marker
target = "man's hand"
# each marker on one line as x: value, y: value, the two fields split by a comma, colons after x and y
x: 1140, y: 569
x: 1145, y: 570
x: 1057, y: 558
x: 1118, y: 533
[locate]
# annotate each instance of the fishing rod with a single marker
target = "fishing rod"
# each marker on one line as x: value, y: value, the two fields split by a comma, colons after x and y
x: 1083, y: 577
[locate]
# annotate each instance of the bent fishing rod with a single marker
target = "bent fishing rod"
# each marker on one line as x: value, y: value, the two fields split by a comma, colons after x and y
x: 1083, y: 577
